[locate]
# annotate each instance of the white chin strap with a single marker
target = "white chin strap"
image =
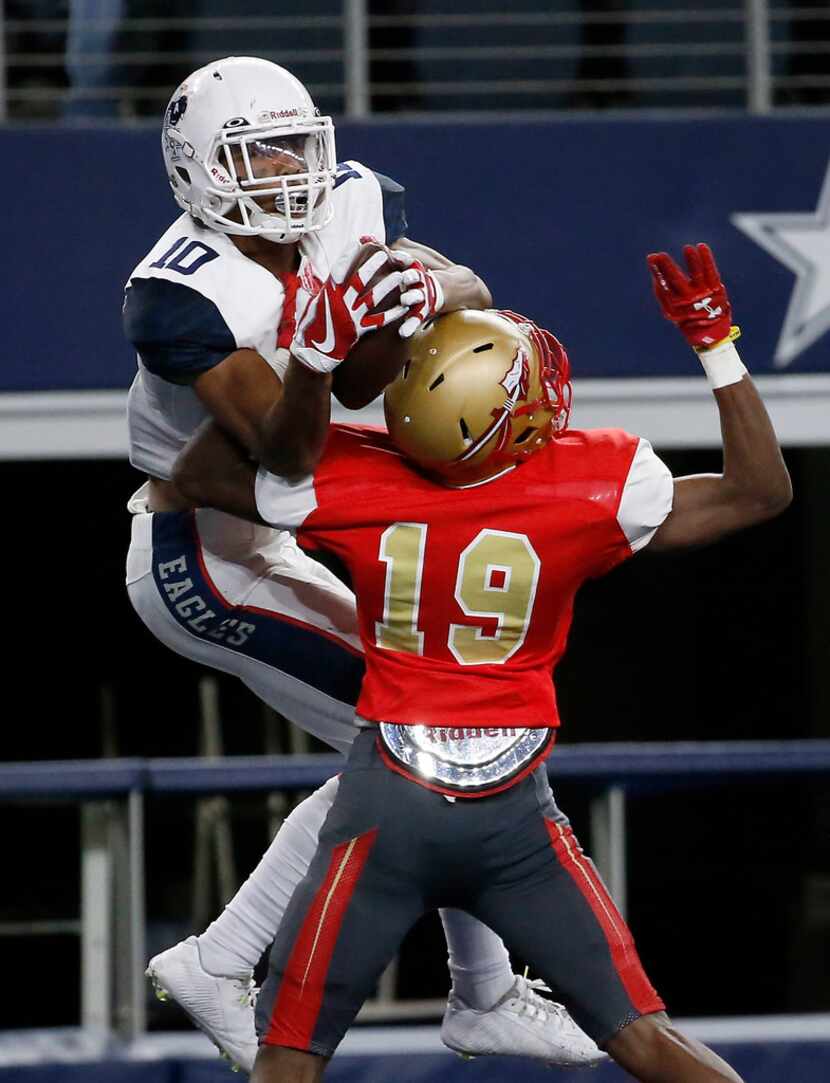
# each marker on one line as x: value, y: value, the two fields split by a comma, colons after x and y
x: 259, y: 223
x: 272, y: 227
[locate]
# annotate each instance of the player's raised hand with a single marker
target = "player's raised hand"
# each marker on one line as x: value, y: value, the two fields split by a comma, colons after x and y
x: 696, y: 300
x: 347, y: 306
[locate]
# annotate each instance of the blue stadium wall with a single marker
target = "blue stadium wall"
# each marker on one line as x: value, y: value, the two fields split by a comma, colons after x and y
x: 557, y: 215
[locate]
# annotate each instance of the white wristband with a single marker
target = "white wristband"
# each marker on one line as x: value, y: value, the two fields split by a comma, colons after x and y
x: 722, y: 365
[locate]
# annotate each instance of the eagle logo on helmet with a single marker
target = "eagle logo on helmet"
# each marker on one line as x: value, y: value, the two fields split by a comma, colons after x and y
x: 177, y: 109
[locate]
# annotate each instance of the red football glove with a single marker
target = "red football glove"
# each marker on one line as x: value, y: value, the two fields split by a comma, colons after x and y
x: 697, y: 304
x: 342, y: 312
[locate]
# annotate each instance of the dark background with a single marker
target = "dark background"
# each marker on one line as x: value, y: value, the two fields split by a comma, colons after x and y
x: 729, y: 892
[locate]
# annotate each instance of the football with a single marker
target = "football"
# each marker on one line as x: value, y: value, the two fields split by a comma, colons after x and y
x: 375, y: 359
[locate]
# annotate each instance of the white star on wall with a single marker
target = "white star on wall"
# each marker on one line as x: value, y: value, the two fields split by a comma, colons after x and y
x: 802, y: 243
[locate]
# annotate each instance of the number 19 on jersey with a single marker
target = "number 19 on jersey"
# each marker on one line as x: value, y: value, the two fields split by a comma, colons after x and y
x: 496, y: 580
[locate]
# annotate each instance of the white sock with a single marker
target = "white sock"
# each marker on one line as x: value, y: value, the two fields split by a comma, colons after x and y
x: 234, y: 943
x: 479, y: 964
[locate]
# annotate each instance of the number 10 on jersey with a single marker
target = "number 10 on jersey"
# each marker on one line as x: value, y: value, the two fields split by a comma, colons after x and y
x: 497, y: 577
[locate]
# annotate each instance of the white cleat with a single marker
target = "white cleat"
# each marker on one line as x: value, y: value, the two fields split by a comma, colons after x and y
x: 521, y: 1024
x: 223, y: 1008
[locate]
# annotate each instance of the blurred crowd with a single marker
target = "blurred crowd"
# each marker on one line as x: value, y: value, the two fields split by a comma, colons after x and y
x: 120, y: 59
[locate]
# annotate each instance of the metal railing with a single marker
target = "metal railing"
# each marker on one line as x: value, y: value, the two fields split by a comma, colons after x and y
x: 360, y: 58
x: 112, y: 795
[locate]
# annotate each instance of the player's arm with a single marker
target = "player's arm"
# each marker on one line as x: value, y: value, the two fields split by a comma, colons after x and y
x: 281, y: 425
x: 238, y: 393
x: 755, y: 484
x: 217, y: 472
x: 183, y: 338
x: 287, y: 435
x: 214, y: 470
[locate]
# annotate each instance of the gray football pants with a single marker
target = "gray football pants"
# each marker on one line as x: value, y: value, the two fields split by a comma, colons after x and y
x: 390, y: 850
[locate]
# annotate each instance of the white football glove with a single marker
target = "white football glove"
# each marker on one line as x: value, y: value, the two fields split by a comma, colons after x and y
x: 422, y: 294
x: 340, y: 314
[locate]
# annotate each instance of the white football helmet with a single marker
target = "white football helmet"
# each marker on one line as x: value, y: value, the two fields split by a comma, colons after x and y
x: 247, y: 152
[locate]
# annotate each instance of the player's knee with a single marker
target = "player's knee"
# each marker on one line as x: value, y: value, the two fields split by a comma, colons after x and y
x: 639, y: 1041
x: 275, y: 1064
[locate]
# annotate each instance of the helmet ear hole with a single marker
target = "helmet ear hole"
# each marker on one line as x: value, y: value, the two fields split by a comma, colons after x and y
x: 183, y: 173
x: 525, y: 434
x: 465, y: 431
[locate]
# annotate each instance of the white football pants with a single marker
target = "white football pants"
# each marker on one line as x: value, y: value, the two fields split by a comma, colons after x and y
x: 247, y: 601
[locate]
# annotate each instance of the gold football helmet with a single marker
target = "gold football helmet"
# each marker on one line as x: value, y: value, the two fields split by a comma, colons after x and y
x: 480, y: 391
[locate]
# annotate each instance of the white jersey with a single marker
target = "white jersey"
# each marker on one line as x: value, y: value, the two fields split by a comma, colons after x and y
x: 194, y: 299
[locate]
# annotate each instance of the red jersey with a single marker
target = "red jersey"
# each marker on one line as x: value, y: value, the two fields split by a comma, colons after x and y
x: 465, y: 596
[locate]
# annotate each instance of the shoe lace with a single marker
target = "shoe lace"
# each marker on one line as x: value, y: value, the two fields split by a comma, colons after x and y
x: 536, y: 1007
x: 246, y: 990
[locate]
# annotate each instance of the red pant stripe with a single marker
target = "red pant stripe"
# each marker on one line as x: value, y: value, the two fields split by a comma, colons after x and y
x: 297, y: 1005
x: 620, y: 942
